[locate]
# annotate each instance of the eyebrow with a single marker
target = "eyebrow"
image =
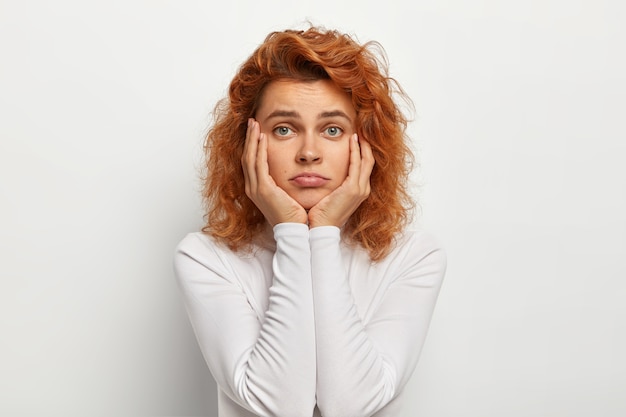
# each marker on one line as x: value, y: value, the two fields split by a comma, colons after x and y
x: 284, y: 113
x: 296, y: 115
x: 334, y: 113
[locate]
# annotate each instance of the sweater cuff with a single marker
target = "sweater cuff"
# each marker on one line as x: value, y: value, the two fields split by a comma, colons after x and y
x: 291, y: 230
x: 325, y: 233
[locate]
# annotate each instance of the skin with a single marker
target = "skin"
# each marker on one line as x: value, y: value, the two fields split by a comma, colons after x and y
x: 302, y: 160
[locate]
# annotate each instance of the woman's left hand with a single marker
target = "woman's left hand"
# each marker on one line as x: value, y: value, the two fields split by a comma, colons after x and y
x: 336, y: 208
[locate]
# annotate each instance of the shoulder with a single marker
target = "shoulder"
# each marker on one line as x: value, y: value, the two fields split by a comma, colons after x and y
x: 419, y: 242
x: 200, y: 243
x: 419, y: 250
x: 198, y: 251
x: 196, y: 244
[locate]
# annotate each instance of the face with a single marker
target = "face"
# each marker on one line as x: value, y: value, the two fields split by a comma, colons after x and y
x: 308, y: 127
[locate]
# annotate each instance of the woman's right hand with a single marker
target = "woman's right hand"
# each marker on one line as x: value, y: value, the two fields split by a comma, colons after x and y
x: 275, y: 204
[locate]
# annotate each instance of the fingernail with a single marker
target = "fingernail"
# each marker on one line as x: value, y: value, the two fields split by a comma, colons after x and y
x: 249, y: 122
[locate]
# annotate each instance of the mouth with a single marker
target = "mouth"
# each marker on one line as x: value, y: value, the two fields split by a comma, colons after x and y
x: 309, y: 180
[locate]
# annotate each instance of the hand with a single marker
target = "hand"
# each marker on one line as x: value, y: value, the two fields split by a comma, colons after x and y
x: 336, y: 208
x: 275, y: 204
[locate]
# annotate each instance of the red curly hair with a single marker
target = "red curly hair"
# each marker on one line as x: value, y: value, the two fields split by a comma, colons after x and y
x: 309, y: 55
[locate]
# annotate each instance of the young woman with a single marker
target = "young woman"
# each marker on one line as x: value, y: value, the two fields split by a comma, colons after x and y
x: 308, y: 294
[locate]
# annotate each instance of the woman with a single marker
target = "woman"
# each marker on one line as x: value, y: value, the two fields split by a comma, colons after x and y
x: 307, y: 294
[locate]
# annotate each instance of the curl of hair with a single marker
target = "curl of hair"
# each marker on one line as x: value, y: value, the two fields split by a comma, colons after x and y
x: 309, y: 55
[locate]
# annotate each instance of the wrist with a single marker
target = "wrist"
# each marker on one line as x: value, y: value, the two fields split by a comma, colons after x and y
x: 321, y: 221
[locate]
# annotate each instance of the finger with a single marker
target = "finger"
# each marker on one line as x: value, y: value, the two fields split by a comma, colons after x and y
x: 246, y: 143
x: 354, y: 168
x: 262, y: 167
x: 367, y: 162
x: 249, y: 155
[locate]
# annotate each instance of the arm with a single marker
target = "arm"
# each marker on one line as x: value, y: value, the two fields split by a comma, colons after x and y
x: 361, y: 367
x: 267, y: 367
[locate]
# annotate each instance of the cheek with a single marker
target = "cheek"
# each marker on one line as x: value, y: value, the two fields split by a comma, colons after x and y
x: 344, y: 161
x: 275, y: 159
x: 272, y: 165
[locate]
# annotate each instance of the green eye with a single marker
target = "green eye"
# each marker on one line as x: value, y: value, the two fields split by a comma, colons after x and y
x: 334, y: 131
x: 282, y: 131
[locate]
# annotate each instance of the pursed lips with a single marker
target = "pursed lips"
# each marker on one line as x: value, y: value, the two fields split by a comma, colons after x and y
x: 309, y: 179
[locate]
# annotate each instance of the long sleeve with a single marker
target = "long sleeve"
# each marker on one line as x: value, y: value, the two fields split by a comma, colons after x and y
x: 265, y: 365
x: 363, y: 365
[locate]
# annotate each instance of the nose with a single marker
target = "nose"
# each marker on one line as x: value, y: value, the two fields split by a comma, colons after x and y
x: 309, y: 152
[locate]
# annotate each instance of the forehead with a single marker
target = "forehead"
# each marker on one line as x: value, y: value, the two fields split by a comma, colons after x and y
x: 304, y: 97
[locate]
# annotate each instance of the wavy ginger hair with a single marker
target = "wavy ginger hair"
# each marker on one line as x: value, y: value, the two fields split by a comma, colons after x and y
x: 309, y: 55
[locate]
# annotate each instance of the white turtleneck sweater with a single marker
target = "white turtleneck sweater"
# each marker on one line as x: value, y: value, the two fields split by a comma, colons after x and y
x: 312, y: 327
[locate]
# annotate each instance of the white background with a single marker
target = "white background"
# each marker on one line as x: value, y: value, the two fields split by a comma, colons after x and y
x: 521, y: 139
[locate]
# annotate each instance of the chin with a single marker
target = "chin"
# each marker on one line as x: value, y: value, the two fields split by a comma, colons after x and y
x: 308, y: 204
x: 310, y: 200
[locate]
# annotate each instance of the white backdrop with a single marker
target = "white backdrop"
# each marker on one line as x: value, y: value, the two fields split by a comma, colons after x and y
x: 521, y: 140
